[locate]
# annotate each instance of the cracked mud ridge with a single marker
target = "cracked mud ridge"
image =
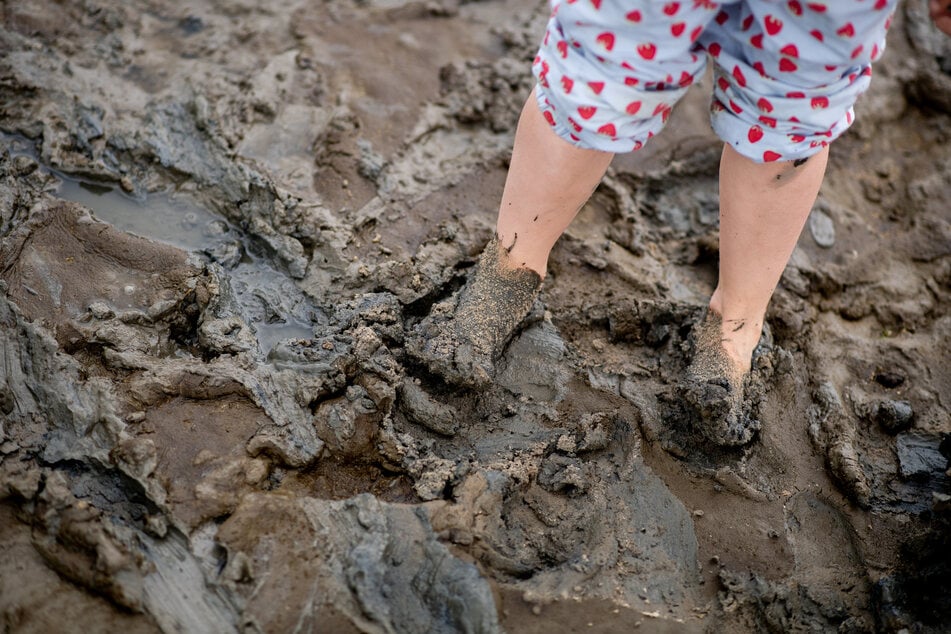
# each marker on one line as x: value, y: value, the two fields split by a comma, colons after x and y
x: 222, y: 225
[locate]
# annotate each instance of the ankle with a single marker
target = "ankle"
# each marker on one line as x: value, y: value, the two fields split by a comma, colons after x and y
x: 521, y: 253
x: 739, y: 334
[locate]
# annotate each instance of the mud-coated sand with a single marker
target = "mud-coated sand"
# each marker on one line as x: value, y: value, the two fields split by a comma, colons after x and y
x: 220, y: 223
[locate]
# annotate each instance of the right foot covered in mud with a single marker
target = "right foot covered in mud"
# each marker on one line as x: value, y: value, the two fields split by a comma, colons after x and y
x: 717, y: 390
x: 463, y: 337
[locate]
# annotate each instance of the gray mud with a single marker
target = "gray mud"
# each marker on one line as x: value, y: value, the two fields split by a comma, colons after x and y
x: 218, y: 227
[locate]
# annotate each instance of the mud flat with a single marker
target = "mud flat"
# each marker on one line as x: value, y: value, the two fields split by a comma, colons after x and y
x: 218, y: 225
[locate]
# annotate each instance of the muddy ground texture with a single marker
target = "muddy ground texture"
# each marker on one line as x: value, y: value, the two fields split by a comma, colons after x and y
x: 176, y: 456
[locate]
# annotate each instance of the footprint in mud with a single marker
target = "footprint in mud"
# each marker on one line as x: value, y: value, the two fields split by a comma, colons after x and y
x: 829, y: 589
x: 823, y: 544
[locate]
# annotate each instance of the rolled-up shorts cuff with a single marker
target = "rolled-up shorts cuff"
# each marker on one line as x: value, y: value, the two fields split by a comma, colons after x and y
x: 603, y: 138
x: 786, y: 74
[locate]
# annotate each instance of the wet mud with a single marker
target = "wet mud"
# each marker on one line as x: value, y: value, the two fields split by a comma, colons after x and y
x: 221, y: 228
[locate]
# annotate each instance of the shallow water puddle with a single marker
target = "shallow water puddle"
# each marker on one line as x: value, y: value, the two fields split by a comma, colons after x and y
x: 268, y: 299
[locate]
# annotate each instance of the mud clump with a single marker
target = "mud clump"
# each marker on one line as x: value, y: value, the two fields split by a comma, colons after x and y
x: 193, y: 435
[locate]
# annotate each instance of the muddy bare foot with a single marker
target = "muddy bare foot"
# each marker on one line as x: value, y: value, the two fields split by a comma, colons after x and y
x: 716, y: 390
x: 462, y: 338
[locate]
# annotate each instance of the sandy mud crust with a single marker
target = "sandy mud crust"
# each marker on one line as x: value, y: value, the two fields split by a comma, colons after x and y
x: 223, y: 229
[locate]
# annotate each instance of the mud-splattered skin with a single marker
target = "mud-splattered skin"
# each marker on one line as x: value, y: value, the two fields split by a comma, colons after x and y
x: 161, y: 469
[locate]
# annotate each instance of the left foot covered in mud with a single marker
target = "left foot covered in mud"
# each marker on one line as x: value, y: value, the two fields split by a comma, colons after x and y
x: 716, y: 389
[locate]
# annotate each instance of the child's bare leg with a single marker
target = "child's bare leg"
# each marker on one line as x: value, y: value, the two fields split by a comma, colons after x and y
x: 548, y: 181
x: 763, y: 207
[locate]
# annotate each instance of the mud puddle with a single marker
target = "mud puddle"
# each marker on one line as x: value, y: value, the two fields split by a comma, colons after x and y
x: 266, y: 298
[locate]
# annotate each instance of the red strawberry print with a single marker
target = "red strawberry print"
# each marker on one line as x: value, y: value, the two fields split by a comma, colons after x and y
x: 773, y: 24
x: 596, y: 86
x: 685, y: 79
x: 738, y: 76
x: 567, y: 83
x: 757, y: 40
x: 549, y: 118
x: 764, y: 104
x: 608, y: 129
x: 723, y: 83
x: 790, y: 50
x: 759, y: 68
x: 633, y: 107
x: 846, y: 30
x: 634, y: 16
x: 881, y: 4
x: 562, y: 47
x: 796, y: 138
x: 660, y: 108
x: 830, y: 67
x: 696, y: 33
x: 857, y: 51
x: 795, y: 95
x: 637, y: 145
x: 714, y: 49
x: 722, y: 17
x: 627, y: 66
x: 630, y: 81
x: 735, y: 108
x: 769, y: 156
x: 747, y: 23
x: 574, y: 124
x: 574, y: 137
x: 665, y: 115
x: 816, y: 33
x: 677, y: 28
x: 586, y: 112
x: 786, y: 65
x: 606, y: 40
x: 794, y: 7
x: 755, y: 134
x: 817, y: 7
x: 819, y: 102
x: 771, y: 122
x: 647, y: 51
x: 671, y: 8
x: 596, y: 3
